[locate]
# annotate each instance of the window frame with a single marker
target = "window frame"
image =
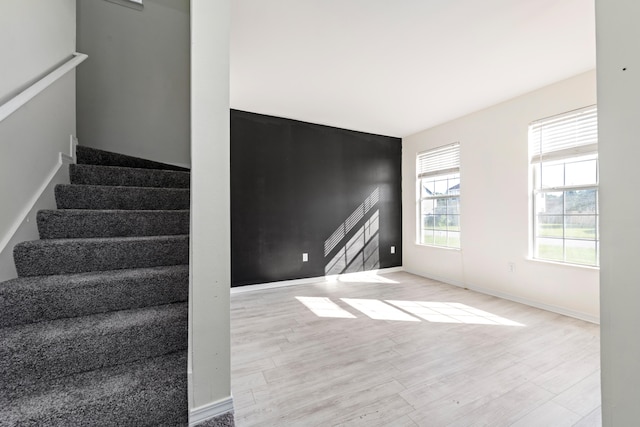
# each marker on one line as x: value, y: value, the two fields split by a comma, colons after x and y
x: 437, y: 165
x: 583, y: 148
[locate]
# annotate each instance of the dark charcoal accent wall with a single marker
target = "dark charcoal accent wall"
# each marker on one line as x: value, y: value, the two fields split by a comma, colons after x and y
x: 293, y: 184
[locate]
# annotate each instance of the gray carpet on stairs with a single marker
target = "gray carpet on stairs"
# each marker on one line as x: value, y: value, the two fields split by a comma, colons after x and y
x: 86, y: 223
x: 94, y: 331
x: 94, y: 156
x: 72, y: 196
x: 62, y: 347
x: 68, y: 256
x: 145, y: 393
x: 128, y: 177
x: 41, y: 298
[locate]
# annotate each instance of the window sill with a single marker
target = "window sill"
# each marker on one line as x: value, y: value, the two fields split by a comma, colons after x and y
x: 563, y: 264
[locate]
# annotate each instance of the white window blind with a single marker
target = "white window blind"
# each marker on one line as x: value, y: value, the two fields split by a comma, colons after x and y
x: 439, y: 161
x: 566, y: 135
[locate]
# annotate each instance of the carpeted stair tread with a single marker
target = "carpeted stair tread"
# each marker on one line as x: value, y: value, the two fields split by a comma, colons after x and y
x: 127, y: 177
x: 63, y: 347
x: 42, y: 298
x: 68, y: 256
x: 152, y: 392
x: 73, y: 196
x: 86, y: 223
x: 93, y: 156
x: 94, y: 331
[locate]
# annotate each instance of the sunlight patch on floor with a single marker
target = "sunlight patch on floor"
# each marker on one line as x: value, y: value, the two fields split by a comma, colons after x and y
x: 324, y: 307
x: 451, y: 312
x: 406, y: 311
x: 379, y: 310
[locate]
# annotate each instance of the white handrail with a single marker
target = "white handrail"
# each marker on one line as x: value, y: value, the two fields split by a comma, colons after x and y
x: 29, y: 93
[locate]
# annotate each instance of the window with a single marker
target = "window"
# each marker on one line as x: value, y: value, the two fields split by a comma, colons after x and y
x: 564, y: 164
x: 438, y: 178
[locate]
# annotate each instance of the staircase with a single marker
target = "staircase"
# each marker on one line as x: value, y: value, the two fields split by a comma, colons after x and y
x: 93, y: 332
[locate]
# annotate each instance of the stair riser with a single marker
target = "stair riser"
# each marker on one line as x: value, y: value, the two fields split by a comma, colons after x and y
x: 37, y: 299
x: 104, y: 197
x: 118, y: 176
x: 47, y: 257
x: 37, y: 352
x: 71, y: 224
x: 92, y: 156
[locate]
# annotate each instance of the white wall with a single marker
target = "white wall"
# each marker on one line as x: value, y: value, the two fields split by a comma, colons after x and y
x: 35, y: 37
x: 619, y: 126
x: 133, y: 91
x: 495, y: 206
x: 209, y: 331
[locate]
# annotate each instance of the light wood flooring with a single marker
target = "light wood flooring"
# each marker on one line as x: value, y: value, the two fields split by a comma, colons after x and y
x: 451, y: 357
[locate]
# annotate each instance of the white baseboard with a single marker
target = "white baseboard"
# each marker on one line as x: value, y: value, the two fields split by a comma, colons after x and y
x: 25, y: 226
x: 514, y: 298
x: 206, y: 412
x: 308, y: 280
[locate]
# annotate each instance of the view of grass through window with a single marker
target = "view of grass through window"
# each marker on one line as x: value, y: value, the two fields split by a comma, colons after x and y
x: 565, y: 196
x: 567, y: 226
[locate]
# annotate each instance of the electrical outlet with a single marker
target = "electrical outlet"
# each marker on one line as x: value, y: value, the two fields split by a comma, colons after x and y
x: 512, y: 267
x: 305, y: 257
x: 393, y: 249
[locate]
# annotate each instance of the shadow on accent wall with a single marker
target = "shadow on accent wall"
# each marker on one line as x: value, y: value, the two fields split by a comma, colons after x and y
x: 359, y: 250
x: 301, y: 188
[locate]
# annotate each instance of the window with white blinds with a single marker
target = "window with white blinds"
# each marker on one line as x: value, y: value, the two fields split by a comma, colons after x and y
x: 438, y: 179
x: 439, y: 161
x: 565, y: 135
x: 564, y: 167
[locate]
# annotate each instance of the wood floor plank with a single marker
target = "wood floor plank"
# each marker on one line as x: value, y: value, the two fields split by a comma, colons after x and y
x: 243, y: 399
x: 286, y: 393
x: 252, y: 366
x: 567, y: 374
x: 459, y: 395
x: 381, y: 412
x: 294, y: 367
x: 362, y: 405
x: 504, y: 410
x: 594, y: 419
x: 247, y: 382
x: 549, y: 414
x: 584, y: 397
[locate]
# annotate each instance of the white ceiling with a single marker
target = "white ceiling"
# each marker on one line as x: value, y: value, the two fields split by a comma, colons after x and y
x: 395, y: 67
